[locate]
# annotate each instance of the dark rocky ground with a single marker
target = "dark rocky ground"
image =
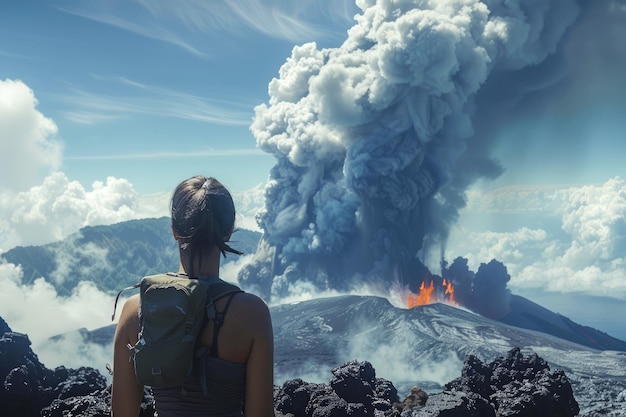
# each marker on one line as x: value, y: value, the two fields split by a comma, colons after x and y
x: 511, y: 385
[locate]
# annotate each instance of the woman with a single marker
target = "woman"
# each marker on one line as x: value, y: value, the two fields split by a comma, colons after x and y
x: 203, y: 217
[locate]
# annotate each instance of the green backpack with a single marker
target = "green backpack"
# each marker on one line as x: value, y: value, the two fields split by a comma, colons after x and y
x: 173, y: 311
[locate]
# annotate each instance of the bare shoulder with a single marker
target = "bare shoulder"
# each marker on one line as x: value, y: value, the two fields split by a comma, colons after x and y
x: 252, y: 303
x: 131, y: 306
x: 251, y: 308
x: 128, y: 323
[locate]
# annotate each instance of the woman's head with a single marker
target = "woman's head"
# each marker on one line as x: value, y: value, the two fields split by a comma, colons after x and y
x: 203, y: 216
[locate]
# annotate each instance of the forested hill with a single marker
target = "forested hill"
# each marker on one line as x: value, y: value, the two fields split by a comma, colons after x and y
x: 112, y: 256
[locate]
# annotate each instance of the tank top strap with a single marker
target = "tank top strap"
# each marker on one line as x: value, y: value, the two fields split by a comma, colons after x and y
x: 218, y: 322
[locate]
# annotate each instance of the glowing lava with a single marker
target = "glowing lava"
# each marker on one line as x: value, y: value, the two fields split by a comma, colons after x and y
x: 429, y: 295
x: 449, y: 292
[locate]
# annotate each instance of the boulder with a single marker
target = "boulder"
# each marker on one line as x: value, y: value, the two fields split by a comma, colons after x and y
x: 354, y: 390
x: 518, y: 385
x: 29, y: 389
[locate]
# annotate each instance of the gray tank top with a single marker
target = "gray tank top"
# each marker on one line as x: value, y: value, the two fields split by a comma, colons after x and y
x: 226, y: 383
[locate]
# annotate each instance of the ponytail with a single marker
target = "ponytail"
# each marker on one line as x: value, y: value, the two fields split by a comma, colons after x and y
x: 203, y: 215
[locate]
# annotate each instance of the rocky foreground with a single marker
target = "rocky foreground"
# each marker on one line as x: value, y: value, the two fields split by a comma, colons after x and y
x: 512, y: 385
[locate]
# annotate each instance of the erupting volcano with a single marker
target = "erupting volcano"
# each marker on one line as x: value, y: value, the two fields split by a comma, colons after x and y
x: 484, y: 292
x: 376, y: 142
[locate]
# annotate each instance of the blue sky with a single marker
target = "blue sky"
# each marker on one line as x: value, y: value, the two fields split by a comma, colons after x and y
x: 106, y: 105
x: 157, y: 91
x: 153, y: 92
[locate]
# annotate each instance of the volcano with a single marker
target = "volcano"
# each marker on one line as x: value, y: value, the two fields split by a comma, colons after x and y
x: 426, y: 345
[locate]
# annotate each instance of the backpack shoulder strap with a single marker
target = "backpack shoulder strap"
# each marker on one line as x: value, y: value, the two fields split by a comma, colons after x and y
x: 118, y: 297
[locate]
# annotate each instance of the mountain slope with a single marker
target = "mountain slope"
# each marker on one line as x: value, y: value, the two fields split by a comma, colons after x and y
x: 112, y: 257
x: 530, y: 315
x: 425, y: 346
x: 337, y: 327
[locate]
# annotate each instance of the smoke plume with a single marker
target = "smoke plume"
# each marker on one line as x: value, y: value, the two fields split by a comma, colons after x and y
x: 376, y: 141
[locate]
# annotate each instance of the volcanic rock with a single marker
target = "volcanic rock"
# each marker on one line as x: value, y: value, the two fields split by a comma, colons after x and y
x: 513, y: 385
x: 29, y: 389
x: 354, y: 390
x: 416, y: 398
x: 518, y: 385
x: 454, y: 404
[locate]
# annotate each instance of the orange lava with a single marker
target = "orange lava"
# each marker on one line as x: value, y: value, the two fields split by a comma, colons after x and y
x: 428, y: 294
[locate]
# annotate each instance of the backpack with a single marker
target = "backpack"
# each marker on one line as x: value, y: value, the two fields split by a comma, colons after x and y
x: 173, y: 311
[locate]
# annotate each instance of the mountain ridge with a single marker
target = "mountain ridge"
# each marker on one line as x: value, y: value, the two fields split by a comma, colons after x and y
x: 118, y: 255
x: 112, y: 256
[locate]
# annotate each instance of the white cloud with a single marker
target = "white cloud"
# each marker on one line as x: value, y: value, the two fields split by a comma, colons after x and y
x: 27, y: 138
x: 40, y: 312
x: 58, y: 207
x: 33, y: 212
x: 587, y: 255
x: 230, y: 270
x: 82, y: 257
x: 247, y: 205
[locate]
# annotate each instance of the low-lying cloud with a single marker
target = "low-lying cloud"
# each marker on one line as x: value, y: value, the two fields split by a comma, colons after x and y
x: 40, y: 312
x: 584, y: 254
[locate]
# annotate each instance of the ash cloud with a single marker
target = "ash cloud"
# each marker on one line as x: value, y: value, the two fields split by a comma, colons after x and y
x: 377, y: 141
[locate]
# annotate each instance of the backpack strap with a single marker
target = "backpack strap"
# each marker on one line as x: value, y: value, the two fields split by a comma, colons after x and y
x: 132, y: 287
x: 118, y: 297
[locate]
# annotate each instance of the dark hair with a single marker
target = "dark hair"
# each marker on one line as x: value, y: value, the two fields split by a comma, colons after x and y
x: 203, y: 215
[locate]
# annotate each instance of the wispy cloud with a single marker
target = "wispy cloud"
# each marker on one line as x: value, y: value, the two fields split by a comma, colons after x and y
x: 90, y: 108
x: 146, y: 28
x: 90, y: 118
x: 10, y: 54
x: 180, y: 23
x: 304, y: 20
x: 200, y: 153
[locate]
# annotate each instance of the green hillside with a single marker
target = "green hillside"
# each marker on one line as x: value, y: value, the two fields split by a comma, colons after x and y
x: 112, y: 256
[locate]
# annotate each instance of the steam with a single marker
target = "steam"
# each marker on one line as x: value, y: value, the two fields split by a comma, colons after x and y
x: 40, y: 312
x: 376, y: 141
x: 400, y: 363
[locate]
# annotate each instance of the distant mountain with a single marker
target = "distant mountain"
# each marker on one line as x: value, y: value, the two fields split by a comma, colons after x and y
x: 112, y: 257
x: 529, y: 315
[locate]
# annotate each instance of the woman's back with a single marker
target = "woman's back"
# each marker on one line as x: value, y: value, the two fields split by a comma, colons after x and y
x: 218, y: 386
x: 203, y: 218
x: 240, y: 326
